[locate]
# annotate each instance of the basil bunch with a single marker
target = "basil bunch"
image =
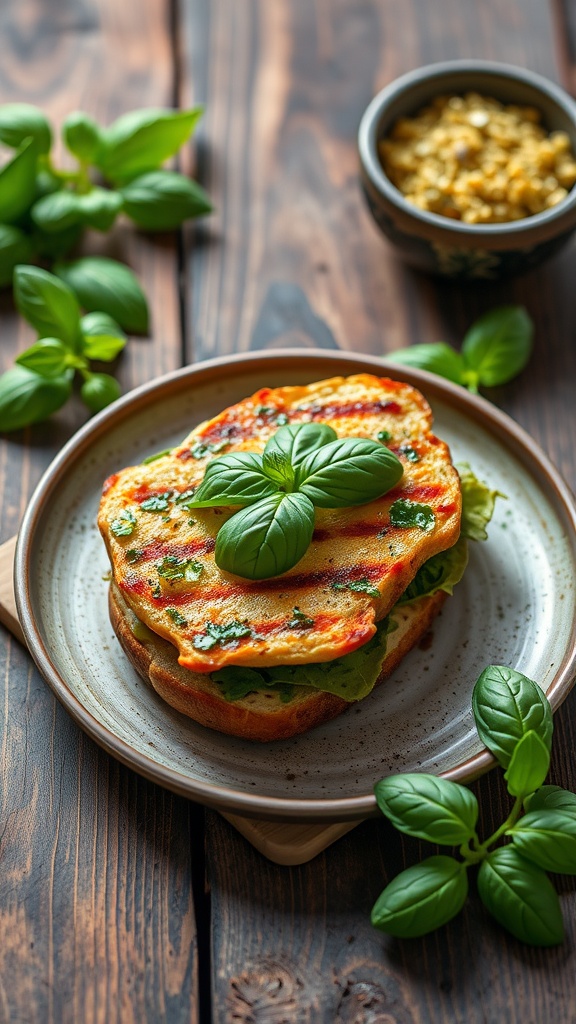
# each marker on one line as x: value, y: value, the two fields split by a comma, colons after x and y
x: 41, y: 381
x: 514, y: 721
x: 303, y: 466
x: 43, y: 212
x: 495, y: 349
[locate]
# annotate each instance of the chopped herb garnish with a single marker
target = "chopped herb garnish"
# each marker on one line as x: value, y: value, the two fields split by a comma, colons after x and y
x: 157, y: 591
x: 157, y: 455
x: 192, y: 522
x: 176, y: 617
x: 125, y: 524
x: 200, y: 451
x: 217, y: 634
x: 264, y: 410
x: 409, y: 453
x: 362, y: 586
x: 185, y: 496
x: 404, y: 512
x: 133, y: 555
x: 383, y: 435
x: 172, y: 568
x: 299, y: 620
x: 158, y: 503
x: 281, y: 419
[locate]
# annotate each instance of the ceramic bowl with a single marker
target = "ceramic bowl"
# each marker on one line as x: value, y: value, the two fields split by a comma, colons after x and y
x: 438, y: 244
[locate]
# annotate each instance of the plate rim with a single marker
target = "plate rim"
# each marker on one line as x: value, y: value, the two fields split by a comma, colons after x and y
x: 218, y: 796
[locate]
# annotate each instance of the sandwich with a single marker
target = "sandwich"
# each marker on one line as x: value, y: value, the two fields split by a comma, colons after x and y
x: 273, y: 568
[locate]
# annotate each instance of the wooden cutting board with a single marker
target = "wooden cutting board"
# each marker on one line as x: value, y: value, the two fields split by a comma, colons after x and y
x: 283, y: 844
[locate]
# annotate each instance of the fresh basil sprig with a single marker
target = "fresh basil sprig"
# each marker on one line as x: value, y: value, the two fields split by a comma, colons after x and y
x: 41, y: 381
x: 514, y: 720
x: 495, y: 349
x: 303, y: 466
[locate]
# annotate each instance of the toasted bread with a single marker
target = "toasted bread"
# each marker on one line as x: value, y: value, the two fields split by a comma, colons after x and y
x: 260, y: 715
x: 350, y: 546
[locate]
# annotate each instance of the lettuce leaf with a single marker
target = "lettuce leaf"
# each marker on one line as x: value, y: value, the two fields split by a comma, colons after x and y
x: 441, y: 572
x: 478, y: 502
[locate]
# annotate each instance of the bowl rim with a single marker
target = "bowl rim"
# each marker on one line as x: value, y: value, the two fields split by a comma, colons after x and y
x: 368, y: 137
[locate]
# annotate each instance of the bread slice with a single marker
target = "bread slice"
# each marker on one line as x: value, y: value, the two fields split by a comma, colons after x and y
x: 261, y: 715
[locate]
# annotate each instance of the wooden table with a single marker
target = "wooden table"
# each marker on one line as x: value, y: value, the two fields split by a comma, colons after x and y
x: 118, y: 900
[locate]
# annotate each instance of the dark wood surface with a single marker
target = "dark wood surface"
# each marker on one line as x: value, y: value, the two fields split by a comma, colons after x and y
x: 118, y: 901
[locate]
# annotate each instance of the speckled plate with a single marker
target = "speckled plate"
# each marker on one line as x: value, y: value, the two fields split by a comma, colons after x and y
x: 516, y: 606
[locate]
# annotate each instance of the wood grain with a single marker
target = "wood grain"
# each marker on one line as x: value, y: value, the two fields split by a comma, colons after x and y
x: 293, y: 258
x: 96, y: 883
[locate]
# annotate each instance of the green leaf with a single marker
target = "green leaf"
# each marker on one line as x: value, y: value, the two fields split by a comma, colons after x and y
x: 21, y: 121
x: 348, y: 471
x: 220, y: 633
x: 108, y: 286
x: 53, y: 245
x: 102, y: 338
x: 26, y: 397
x: 521, y: 897
x: 552, y: 798
x: 437, y: 357
x: 547, y: 837
x: 498, y: 346
x: 441, y: 572
x: 234, y: 479
x: 18, y: 182
x: 507, y: 705
x: 422, y: 898
x: 266, y: 539
x: 528, y: 766
x: 428, y: 807
x: 125, y: 524
x: 162, y: 200
x: 48, y: 304
x: 361, y: 586
x: 405, y: 513
x: 173, y: 569
x: 82, y: 136
x: 99, y: 390
x: 290, y: 445
x: 57, y: 211
x: 478, y: 501
x: 15, y: 247
x: 236, y: 682
x: 142, y: 140
x: 48, y: 357
x: 99, y: 208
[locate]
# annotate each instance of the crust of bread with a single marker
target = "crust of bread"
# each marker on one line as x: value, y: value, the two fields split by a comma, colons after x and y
x: 259, y: 716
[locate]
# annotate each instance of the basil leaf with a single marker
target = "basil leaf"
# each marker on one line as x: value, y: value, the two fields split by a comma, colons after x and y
x: 266, y: 539
x: 406, y: 513
x: 142, y: 140
x: 48, y: 357
x: 55, y: 244
x: 348, y: 471
x: 437, y: 357
x: 441, y: 572
x: 48, y: 304
x: 295, y: 441
x: 102, y: 338
x: 82, y: 136
x: 15, y: 247
x: 22, y: 121
x: 478, y: 502
x: 99, y: 390
x: 99, y: 208
x: 162, y: 200
x: 521, y: 897
x: 528, y: 766
x: 498, y: 346
x: 506, y: 705
x: 422, y: 898
x: 18, y: 182
x: 548, y: 839
x: 26, y: 397
x: 57, y: 211
x: 108, y: 286
x: 428, y: 807
x: 552, y: 798
x: 234, y: 479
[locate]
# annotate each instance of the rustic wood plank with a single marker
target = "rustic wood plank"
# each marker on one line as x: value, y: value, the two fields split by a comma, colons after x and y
x: 96, y: 886
x: 292, y: 258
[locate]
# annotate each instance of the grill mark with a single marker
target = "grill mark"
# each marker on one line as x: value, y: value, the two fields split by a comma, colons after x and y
x: 339, y: 410
x: 143, y: 492
x: 160, y: 549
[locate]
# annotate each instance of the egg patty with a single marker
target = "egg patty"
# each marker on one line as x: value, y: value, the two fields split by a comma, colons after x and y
x: 356, y: 568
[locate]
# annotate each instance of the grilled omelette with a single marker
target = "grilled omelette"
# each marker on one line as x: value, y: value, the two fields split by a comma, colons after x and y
x: 162, y: 553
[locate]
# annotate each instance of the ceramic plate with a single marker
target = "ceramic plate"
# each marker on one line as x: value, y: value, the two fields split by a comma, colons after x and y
x: 516, y: 606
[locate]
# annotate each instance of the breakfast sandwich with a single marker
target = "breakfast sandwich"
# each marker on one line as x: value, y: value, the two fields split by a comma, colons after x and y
x: 274, y: 566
